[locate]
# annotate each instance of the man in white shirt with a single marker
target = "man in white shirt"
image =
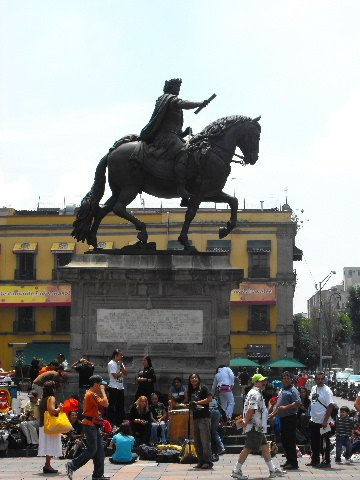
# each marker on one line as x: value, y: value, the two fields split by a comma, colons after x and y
x: 116, y: 371
x: 255, y: 427
x: 224, y: 384
x: 321, y: 407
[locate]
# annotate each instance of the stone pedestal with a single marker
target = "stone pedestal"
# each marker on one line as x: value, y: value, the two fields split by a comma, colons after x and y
x: 174, y: 308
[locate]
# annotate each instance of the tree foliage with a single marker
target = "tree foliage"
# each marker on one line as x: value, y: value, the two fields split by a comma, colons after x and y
x: 336, y: 332
x: 353, y: 311
x: 306, y: 348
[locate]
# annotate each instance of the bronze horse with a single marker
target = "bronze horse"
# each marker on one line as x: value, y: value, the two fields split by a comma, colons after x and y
x: 210, y: 155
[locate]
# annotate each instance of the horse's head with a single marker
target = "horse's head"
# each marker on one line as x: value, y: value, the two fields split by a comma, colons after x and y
x: 248, y: 139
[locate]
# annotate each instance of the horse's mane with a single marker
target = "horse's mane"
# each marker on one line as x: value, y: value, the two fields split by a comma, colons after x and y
x: 216, y: 128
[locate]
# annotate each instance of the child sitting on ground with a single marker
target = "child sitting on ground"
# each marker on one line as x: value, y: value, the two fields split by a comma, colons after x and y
x: 124, y: 442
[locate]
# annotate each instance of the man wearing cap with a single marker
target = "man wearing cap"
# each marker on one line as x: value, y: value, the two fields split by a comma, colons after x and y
x: 255, y: 427
x: 94, y: 398
x: 286, y: 408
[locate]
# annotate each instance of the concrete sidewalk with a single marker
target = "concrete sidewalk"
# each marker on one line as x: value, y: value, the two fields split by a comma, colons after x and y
x: 31, y: 469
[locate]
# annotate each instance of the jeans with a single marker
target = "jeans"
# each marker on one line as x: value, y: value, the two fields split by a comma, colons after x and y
x: 154, y: 438
x: 317, y: 443
x: 115, y: 410
x: 227, y: 402
x: 355, y: 447
x: 94, y: 450
x: 288, y: 438
x: 217, y: 445
x: 342, y: 441
x: 202, y: 440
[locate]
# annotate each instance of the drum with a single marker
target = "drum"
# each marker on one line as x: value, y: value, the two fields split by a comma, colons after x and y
x: 178, y: 425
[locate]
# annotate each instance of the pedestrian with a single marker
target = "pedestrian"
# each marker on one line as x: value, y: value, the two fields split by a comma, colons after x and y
x: 58, y: 376
x: 49, y: 444
x: 146, y: 378
x: 321, y: 407
x: 199, y: 398
x: 216, y: 414
x: 223, y: 384
x: 85, y: 369
x: 357, y: 402
x: 254, y: 423
x: 62, y: 361
x: 30, y: 425
x: 116, y: 371
x: 286, y: 409
x: 344, y: 426
x: 95, y: 397
x: 34, y: 369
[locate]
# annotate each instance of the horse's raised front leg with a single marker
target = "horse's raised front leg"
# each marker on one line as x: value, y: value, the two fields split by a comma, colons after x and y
x: 223, y: 197
x: 101, y: 212
x: 193, y: 207
x: 126, y: 196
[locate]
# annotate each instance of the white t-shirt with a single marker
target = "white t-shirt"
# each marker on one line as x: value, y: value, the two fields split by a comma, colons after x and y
x: 255, y: 400
x: 317, y: 395
x: 115, y: 367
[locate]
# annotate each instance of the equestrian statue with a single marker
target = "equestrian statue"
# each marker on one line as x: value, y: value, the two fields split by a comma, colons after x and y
x: 161, y: 163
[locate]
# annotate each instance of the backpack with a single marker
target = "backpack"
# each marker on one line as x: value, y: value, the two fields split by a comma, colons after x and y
x: 168, y: 456
x: 147, y: 453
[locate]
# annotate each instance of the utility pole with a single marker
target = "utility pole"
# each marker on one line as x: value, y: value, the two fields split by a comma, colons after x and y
x: 321, y: 285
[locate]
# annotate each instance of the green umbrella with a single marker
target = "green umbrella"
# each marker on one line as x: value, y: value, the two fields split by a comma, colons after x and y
x: 242, y: 362
x: 285, y: 363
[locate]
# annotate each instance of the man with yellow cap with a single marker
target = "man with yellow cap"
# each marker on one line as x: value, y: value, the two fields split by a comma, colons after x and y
x: 255, y: 426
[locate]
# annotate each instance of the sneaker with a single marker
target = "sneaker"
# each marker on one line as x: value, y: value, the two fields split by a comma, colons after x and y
x: 206, y: 466
x: 277, y: 473
x: 324, y: 464
x: 289, y: 466
x: 312, y: 464
x: 69, y: 470
x: 101, y: 478
x: 348, y: 461
x: 239, y: 475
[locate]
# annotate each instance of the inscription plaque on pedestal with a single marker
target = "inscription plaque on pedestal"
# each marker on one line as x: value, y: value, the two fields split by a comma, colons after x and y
x: 141, y: 325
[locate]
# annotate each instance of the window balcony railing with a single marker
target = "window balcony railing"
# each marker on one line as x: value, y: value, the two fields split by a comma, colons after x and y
x: 259, y: 272
x: 27, y: 275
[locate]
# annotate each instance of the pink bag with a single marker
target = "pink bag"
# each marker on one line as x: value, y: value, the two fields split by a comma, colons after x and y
x: 225, y: 388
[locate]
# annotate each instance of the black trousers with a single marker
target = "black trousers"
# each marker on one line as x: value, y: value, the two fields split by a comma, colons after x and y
x: 115, y: 410
x: 288, y: 438
x: 319, y: 443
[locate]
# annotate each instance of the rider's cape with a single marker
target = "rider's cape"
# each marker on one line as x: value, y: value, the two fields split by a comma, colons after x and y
x: 161, y: 105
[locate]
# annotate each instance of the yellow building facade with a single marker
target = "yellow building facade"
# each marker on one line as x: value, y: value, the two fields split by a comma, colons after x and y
x: 35, y: 306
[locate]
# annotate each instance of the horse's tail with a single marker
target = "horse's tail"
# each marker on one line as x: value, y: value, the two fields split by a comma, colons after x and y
x: 90, y: 203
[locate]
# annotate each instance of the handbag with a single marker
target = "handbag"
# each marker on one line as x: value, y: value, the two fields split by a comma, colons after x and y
x: 56, y: 423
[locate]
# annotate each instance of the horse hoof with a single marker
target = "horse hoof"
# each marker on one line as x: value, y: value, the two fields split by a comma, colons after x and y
x: 223, y: 232
x: 142, y: 237
x: 92, y: 242
x: 190, y: 248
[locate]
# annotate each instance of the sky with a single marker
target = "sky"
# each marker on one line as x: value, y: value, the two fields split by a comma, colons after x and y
x: 76, y: 75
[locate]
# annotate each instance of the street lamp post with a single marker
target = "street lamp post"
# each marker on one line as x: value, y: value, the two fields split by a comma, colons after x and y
x: 321, y: 285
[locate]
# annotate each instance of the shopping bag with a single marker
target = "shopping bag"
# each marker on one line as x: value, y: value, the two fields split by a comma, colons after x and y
x: 56, y: 423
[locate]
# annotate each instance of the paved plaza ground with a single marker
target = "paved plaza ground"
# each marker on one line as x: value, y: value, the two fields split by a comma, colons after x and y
x: 31, y: 468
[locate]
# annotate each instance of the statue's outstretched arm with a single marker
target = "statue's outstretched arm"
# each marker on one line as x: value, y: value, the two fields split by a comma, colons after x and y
x: 186, y: 105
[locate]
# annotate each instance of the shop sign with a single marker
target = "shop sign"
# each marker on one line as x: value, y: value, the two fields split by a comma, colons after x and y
x: 35, y: 295
x: 254, y: 293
